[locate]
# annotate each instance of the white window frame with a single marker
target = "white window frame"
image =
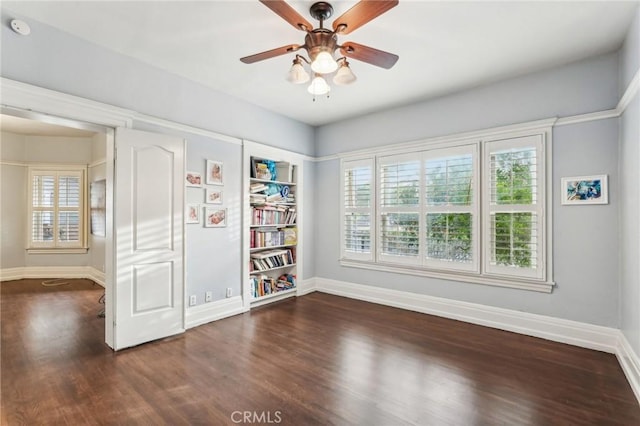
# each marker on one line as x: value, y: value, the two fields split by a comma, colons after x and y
x: 344, y: 210
x: 57, y: 246
x: 473, y: 208
x: 492, y: 145
x: 479, y: 273
x: 381, y: 210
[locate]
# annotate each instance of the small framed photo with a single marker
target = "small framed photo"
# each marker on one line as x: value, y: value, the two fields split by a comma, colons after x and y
x: 192, y: 213
x: 215, y: 217
x: 213, y: 196
x: 193, y: 179
x: 214, y: 172
x: 581, y: 190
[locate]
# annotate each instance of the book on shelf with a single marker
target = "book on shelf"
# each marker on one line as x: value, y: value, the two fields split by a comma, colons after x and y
x: 262, y: 285
x: 290, y: 236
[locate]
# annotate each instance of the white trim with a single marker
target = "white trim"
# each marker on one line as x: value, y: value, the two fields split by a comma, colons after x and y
x: 306, y: 286
x: 167, y: 124
x: 630, y: 363
x: 14, y: 163
x: 20, y: 273
x: 542, y: 286
x: 629, y: 93
x: 591, y: 116
x: 214, y: 311
x: 556, y: 329
x: 97, y: 163
x: 57, y: 250
x: 457, y: 138
x: 27, y: 97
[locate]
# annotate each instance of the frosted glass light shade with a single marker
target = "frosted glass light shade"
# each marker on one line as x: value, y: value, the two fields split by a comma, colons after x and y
x: 344, y: 75
x: 324, y: 63
x: 318, y: 86
x: 297, y: 74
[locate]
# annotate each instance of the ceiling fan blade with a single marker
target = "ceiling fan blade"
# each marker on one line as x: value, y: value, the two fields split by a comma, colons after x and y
x: 363, y: 12
x: 368, y: 54
x: 288, y: 13
x: 270, y: 53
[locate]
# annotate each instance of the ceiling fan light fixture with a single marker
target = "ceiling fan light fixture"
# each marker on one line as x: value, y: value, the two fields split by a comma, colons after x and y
x: 324, y: 63
x: 344, y: 75
x: 318, y: 86
x: 297, y: 73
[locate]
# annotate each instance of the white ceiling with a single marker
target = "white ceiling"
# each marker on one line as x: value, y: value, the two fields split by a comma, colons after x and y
x: 444, y: 46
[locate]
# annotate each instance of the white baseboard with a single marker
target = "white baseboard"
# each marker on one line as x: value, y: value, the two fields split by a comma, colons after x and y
x: 87, y: 272
x: 630, y: 363
x: 306, y: 286
x: 559, y: 330
x: 213, y: 311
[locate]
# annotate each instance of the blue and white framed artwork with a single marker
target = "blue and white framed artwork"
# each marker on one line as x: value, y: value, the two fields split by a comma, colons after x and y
x: 581, y: 190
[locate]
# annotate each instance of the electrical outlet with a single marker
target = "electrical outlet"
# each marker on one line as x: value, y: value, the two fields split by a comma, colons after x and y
x: 193, y: 300
x: 229, y: 292
x: 208, y: 296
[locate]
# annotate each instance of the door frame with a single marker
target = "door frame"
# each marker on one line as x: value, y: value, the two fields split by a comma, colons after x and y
x: 36, y: 103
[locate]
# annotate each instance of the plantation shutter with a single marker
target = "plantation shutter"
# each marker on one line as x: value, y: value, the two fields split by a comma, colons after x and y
x: 357, y: 197
x: 399, y: 208
x: 57, y: 208
x: 451, y: 216
x: 514, y: 207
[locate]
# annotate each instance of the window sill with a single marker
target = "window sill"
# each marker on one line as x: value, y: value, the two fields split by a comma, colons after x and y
x: 539, y: 286
x: 57, y: 250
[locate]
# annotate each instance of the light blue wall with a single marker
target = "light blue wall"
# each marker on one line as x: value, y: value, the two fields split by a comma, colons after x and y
x: 59, y: 61
x: 629, y: 228
x: 582, y: 87
x: 585, y: 238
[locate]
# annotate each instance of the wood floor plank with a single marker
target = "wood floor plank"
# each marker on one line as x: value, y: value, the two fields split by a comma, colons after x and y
x: 314, y: 360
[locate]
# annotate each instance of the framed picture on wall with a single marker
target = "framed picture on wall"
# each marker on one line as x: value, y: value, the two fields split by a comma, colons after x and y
x: 214, y: 173
x: 213, y: 196
x: 215, y: 217
x: 193, y: 179
x: 98, y: 193
x: 581, y: 190
x: 192, y: 215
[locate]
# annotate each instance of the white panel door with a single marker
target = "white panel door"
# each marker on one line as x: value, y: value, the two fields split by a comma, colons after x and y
x: 148, y: 270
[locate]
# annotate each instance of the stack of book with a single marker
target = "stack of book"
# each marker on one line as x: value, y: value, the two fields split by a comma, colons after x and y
x: 263, y: 285
x: 271, y: 259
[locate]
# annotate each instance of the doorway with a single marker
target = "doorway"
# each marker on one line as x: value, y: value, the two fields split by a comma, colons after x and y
x: 50, y: 171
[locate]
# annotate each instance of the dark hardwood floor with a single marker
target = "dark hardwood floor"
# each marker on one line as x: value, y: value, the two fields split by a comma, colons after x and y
x: 318, y: 359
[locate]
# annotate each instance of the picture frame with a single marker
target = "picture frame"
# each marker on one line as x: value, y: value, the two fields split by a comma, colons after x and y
x: 215, y: 217
x: 213, y: 196
x: 583, y: 190
x: 192, y: 213
x: 98, y: 207
x: 214, y: 172
x: 193, y: 179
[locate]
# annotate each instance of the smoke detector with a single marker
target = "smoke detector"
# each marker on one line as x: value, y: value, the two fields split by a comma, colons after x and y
x: 20, y: 27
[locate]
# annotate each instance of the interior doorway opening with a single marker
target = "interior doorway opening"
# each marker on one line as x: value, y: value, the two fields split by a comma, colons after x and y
x: 43, y: 236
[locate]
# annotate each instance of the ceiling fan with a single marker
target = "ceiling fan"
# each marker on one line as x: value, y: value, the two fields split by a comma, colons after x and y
x: 321, y: 43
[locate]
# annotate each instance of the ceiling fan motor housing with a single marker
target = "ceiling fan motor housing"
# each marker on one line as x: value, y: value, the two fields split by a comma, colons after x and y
x: 320, y: 40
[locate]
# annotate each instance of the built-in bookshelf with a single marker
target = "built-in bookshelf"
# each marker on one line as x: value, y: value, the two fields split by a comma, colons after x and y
x: 272, y: 229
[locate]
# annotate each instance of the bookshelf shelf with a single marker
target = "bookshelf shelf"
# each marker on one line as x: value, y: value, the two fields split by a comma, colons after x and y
x: 252, y: 249
x: 267, y: 298
x: 277, y: 182
x: 254, y: 272
x: 272, y: 227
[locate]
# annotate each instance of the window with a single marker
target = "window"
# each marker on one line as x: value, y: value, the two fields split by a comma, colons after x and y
x: 357, y: 204
x: 57, y: 209
x: 450, y: 212
x: 514, y: 210
x: 399, y: 209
